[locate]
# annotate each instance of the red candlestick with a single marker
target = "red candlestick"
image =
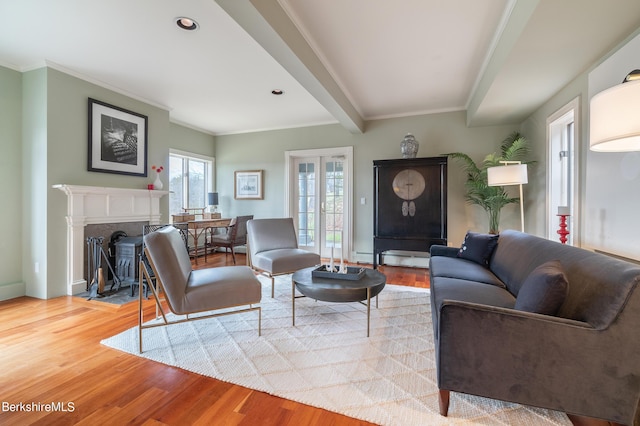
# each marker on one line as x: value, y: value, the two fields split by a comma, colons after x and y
x: 563, y: 228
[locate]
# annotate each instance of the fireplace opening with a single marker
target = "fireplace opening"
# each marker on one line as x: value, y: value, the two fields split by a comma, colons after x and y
x: 128, y: 250
x: 109, y: 236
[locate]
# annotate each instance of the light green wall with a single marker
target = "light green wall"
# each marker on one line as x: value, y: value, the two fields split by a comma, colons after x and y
x: 11, y: 282
x: 437, y: 134
x: 43, y: 117
x: 34, y: 186
x: 190, y: 140
x: 66, y: 148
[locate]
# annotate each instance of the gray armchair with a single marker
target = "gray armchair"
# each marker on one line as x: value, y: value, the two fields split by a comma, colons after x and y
x: 272, y: 248
x: 189, y: 291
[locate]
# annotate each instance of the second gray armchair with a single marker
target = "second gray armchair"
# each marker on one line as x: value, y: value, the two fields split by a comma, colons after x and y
x: 273, y: 248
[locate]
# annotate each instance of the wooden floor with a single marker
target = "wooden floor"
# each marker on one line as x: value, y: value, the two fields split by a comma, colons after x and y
x: 50, y: 353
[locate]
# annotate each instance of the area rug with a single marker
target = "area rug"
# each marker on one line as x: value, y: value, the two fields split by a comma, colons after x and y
x: 327, y: 361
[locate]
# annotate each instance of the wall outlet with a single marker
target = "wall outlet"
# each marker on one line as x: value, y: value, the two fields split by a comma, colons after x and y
x: 363, y: 201
x: 36, y: 267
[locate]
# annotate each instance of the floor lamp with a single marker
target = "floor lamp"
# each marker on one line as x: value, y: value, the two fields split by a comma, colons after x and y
x: 511, y: 173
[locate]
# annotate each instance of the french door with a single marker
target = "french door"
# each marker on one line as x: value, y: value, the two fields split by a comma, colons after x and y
x: 319, y: 200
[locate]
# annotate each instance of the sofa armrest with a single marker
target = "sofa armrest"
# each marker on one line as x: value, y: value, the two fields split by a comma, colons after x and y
x: 440, y: 250
x: 536, y: 360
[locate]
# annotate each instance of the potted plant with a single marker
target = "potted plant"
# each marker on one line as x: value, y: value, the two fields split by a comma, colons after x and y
x: 492, y: 198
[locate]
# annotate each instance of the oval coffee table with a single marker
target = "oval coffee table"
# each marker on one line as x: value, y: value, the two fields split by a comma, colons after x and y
x: 337, y: 290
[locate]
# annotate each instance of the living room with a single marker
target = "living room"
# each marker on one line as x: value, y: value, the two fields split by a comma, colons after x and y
x: 52, y: 107
x: 44, y: 110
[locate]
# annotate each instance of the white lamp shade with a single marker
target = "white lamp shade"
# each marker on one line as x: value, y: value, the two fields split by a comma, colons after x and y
x: 514, y: 174
x: 614, y: 122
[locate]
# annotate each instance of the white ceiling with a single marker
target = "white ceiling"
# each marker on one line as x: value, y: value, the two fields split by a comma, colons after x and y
x: 343, y: 61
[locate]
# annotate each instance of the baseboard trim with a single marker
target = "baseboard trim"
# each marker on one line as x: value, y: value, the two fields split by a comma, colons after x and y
x: 397, y: 258
x: 12, y: 290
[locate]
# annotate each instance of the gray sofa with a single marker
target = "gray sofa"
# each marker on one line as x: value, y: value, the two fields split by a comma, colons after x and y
x: 583, y: 360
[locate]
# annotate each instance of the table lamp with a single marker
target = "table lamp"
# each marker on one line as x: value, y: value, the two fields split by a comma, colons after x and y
x: 213, y: 201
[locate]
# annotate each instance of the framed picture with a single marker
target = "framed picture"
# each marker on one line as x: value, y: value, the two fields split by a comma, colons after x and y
x: 117, y: 140
x: 248, y: 185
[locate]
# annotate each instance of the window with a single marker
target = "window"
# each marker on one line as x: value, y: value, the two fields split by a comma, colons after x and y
x: 562, y: 136
x: 190, y: 179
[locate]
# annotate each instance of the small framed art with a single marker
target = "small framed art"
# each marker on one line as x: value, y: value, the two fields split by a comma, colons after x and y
x: 117, y: 140
x: 248, y: 185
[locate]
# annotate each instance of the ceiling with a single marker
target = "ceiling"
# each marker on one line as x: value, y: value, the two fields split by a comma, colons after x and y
x: 337, y: 61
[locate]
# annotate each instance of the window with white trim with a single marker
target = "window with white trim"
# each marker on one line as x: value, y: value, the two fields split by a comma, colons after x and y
x: 190, y: 179
x: 562, y: 134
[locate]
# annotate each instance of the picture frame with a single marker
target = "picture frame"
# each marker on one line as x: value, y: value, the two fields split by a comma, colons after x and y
x: 117, y: 140
x: 248, y: 185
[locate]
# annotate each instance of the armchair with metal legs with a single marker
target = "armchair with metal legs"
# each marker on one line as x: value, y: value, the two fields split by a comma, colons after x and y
x: 187, y: 291
x: 272, y: 248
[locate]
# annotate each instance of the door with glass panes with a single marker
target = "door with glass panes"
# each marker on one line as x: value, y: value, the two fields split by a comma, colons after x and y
x: 320, y: 205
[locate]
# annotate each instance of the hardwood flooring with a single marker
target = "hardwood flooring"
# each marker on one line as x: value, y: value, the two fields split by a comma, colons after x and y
x: 50, y: 353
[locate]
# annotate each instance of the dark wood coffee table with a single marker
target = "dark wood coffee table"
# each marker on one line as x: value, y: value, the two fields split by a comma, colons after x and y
x: 337, y: 290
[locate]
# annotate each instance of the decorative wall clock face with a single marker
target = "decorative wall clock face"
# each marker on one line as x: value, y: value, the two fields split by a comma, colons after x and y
x: 408, y: 184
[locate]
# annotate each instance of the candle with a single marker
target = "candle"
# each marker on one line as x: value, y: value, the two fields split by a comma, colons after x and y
x: 564, y: 211
x: 331, y: 261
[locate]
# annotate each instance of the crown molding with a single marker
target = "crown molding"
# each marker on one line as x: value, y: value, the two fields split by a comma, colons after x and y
x: 76, y: 74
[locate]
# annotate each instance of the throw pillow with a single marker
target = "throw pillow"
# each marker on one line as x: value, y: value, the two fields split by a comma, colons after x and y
x: 478, y: 247
x: 544, y: 290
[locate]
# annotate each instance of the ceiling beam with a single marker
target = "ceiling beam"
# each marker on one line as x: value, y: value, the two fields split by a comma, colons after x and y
x: 271, y: 27
x: 513, y: 24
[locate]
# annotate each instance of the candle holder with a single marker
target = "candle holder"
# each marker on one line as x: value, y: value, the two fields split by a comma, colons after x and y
x: 563, y: 228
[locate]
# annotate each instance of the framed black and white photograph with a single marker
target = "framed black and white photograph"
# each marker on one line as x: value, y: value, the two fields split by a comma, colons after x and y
x: 117, y: 140
x: 248, y: 185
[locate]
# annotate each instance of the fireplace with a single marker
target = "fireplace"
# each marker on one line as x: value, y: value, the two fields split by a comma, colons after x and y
x: 91, y: 205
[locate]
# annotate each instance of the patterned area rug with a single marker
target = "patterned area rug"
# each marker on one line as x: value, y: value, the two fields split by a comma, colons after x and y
x: 327, y: 361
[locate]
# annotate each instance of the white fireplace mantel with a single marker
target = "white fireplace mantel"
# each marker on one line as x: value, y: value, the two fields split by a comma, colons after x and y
x: 96, y: 205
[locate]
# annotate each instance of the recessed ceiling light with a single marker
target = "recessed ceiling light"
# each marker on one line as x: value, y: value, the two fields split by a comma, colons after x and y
x: 277, y: 92
x: 187, y: 23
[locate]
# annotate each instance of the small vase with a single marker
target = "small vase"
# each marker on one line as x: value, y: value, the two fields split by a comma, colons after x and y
x: 157, y: 184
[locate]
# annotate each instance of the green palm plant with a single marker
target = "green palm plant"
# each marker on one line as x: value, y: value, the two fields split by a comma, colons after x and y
x: 492, y: 198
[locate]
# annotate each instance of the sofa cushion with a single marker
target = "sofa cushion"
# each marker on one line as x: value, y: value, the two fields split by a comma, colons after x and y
x: 544, y: 290
x: 445, y: 288
x: 451, y: 267
x: 470, y: 291
x: 478, y: 247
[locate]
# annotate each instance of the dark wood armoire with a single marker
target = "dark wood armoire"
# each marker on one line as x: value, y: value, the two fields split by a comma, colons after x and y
x: 409, y: 205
